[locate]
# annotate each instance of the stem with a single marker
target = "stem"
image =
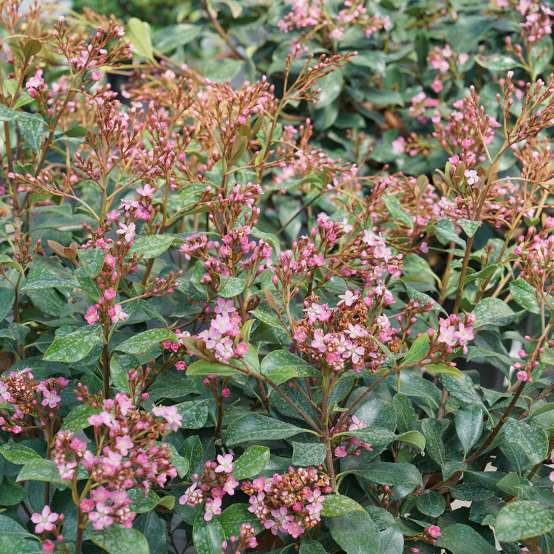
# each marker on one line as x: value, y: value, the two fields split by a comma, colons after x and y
x: 221, y: 31
x: 325, y: 431
x: 80, y: 530
x: 106, y: 363
x: 492, y: 435
x: 465, y: 264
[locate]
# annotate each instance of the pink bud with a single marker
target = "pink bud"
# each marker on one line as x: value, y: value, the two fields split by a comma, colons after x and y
x: 434, y: 531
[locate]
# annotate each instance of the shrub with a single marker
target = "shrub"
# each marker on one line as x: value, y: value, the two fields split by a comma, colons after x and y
x: 219, y: 329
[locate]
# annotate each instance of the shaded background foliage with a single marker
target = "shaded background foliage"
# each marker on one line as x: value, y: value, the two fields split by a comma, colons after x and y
x: 435, y: 435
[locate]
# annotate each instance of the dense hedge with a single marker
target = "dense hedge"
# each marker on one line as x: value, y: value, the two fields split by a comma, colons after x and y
x: 277, y: 277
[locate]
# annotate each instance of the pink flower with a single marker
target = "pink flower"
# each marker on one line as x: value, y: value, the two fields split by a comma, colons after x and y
x: 92, y: 315
x: 109, y: 294
x: 35, y: 84
x: 124, y: 444
x: 399, y: 145
x: 340, y: 452
x: 241, y: 349
x: 45, y: 521
x: 48, y: 546
x: 225, y: 463
x: 471, y: 176
x: 170, y: 414
x: 87, y: 505
x: 180, y: 365
x: 50, y: 398
x: 212, y: 508
x: 128, y: 231
x: 146, y: 191
x: 523, y: 376
x: 348, y: 298
x: 434, y: 531
x: 117, y: 314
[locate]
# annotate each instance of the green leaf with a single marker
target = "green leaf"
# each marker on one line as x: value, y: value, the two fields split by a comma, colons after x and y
x: 116, y: 539
x: 234, y: 516
x: 146, y: 341
x: 524, y: 294
x: 207, y: 536
x: 203, y: 368
x: 446, y: 233
x: 413, y: 438
x: 7, y: 297
x: 442, y: 369
x: 91, y: 261
x: 469, y: 426
x: 231, y: 286
x: 389, y: 473
x: 268, y: 318
x: 431, y: 503
x: 11, y: 494
x: 497, y: 62
x: 418, y: 350
x: 355, y: 533
x: 396, y: 210
x: 77, y: 418
x: 377, y: 437
x: 463, y: 539
x: 253, y: 427
x: 171, y: 37
x: 392, y: 541
x: 337, y: 505
x: 307, y: 453
x: 46, y: 275
x: 33, y: 128
x: 523, y: 519
x: 330, y: 87
x: 139, y: 35
x: 282, y: 365
x: 493, y: 311
x: 251, y: 462
x: 18, y: 453
x: 519, y: 438
x: 311, y: 547
x: 461, y: 388
x: 22, y: 544
x: 40, y: 470
x: 142, y: 501
x: 433, y: 431
x: 151, y: 246
x: 180, y: 463
x: 469, y: 226
x: 73, y: 347
x: 194, y: 413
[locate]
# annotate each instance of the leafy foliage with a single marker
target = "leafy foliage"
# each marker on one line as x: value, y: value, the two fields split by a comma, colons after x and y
x: 277, y: 277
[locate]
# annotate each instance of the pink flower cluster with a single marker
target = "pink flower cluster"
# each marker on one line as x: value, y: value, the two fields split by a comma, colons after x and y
x: 36, y: 84
x: 538, y: 19
x: 455, y: 333
x: 288, y: 503
x: 245, y: 540
x: 352, y: 445
x: 343, y: 336
x: 209, y: 488
x: 311, y: 13
x: 128, y: 454
x: 467, y: 132
x: 421, y: 108
x: 221, y: 338
x: 29, y: 400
